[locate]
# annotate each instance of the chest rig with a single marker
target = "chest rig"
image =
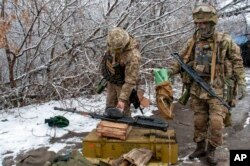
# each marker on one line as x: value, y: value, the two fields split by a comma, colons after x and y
x: 203, y: 53
x: 113, y: 68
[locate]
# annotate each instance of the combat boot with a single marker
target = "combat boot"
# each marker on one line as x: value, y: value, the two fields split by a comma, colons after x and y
x: 199, y: 151
x: 211, y: 158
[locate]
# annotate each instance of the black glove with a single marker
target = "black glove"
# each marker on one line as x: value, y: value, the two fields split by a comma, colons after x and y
x: 113, y: 113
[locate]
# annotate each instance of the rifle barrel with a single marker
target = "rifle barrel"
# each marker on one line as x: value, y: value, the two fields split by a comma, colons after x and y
x: 140, y: 121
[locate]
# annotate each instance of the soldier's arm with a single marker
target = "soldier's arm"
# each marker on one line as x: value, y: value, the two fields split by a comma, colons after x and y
x: 237, y: 61
x: 175, y: 68
x: 131, y: 74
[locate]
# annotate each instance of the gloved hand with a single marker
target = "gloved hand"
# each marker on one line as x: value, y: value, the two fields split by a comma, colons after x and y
x: 242, y: 91
x: 113, y: 113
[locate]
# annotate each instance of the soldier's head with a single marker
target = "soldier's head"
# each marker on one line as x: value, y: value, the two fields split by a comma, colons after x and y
x: 205, y: 18
x: 117, y: 39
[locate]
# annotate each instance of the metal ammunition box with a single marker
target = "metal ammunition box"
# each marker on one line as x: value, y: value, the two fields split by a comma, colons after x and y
x: 163, y: 145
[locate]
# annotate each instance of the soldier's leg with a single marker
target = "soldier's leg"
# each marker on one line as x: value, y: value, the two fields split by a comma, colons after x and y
x: 200, y: 109
x: 127, y: 111
x: 111, y: 100
x: 217, y: 113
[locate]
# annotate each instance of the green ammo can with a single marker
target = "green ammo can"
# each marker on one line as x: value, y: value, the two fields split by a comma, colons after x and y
x: 163, y: 144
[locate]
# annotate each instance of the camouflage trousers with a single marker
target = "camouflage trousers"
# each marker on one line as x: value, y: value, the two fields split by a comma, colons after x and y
x: 208, y: 120
x: 113, y: 93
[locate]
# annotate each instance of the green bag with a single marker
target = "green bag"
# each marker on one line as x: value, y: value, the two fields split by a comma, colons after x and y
x: 160, y: 75
x: 57, y: 121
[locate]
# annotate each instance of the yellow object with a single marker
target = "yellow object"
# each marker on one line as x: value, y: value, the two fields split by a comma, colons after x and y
x: 162, y: 144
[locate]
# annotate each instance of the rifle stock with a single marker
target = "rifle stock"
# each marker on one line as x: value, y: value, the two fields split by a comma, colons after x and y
x: 198, y: 79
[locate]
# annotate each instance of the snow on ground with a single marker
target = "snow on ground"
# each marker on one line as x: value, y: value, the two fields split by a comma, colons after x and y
x: 24, y: 128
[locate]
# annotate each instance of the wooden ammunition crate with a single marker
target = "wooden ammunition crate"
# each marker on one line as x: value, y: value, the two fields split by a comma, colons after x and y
x: 113, y: 130
x: 163, y: 144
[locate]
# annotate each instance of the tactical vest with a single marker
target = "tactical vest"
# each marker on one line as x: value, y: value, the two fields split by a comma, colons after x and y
x: 204, y: 57
x: 112, y: 70
x: 208, y: 59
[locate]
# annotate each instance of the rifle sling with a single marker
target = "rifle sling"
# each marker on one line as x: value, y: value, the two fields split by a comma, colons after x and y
x: 188, y: 54
x: 213, y: 61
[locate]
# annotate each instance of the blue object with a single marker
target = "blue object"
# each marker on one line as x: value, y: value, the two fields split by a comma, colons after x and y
x: 240, y: 39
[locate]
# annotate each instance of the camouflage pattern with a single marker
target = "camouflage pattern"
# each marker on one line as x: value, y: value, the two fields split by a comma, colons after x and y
x: 205, y: 13
x: 118, y: 38
x: 209, y: 113
x: 208, y: 120
x: 128, y: 59
x: 229, y: 67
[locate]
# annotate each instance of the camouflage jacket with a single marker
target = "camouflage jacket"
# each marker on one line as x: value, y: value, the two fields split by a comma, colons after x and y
x: 228, y: 69
x: 129, y: 60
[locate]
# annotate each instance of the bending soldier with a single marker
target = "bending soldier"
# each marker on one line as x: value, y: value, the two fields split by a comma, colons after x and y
x: 216, y: 58
x: 120, y: 67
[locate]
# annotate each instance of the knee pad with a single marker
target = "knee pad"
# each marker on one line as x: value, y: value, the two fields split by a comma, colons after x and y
x: 216, y: 122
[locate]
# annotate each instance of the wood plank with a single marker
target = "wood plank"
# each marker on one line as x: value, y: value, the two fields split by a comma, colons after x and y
x: 109, y: 129
x: 113, y: 124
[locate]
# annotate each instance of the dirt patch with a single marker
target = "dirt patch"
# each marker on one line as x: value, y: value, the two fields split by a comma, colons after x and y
x: 10, y: 160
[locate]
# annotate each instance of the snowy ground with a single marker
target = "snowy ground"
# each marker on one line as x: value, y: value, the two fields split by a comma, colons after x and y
x: 24, y: 129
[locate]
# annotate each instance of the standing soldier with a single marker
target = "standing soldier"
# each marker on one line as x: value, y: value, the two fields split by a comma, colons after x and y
x: 216, y: 58
x: 120, y: 67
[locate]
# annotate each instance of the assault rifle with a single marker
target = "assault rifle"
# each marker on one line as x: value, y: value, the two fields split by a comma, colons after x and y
x: 198, y: 79
x: 140, y: 121
x: 133, y: 98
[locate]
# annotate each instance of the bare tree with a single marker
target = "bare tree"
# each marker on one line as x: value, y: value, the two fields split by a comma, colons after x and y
x: 51, y: 49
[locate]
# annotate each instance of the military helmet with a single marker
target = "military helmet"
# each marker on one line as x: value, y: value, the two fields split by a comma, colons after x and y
x: 118, y: 38
x: 205, y: 13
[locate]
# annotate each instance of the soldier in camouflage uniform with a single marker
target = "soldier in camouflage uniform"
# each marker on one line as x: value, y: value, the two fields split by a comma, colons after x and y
x: 122, y: 64
x: 216, y: 58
